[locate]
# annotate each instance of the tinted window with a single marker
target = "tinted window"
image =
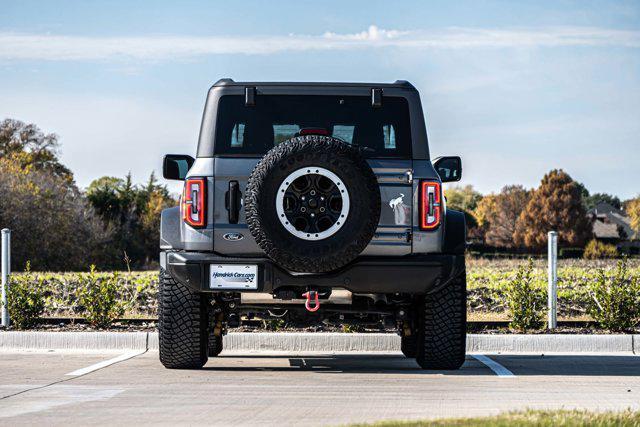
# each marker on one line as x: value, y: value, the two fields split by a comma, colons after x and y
x: 284, y: 132
x: 343, y: 132
x: 384, y: 131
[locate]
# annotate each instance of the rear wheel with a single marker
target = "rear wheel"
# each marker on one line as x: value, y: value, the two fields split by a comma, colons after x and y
x: 409, y: 346
x: 182, y: 325
x: 215, y: 345
x: 442, y: 326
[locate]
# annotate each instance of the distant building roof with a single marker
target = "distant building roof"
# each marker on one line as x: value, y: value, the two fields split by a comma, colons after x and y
x: 605, y: 230
x: 604, y: 208
x: 610, y: 220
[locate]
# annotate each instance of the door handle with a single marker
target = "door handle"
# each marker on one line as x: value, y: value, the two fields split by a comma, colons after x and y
x: 233, y: 202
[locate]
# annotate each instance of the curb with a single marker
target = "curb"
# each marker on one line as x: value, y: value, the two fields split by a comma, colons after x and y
x: 17, y: 340
x: 322, y: 342
x: 552, y: 343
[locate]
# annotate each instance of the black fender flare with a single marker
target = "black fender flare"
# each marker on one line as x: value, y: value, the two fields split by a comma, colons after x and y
x: 455, y: 233
x: 170, y: 229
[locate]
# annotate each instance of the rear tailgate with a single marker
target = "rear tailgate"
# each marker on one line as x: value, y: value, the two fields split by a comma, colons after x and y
x: 393, y: 236
x: 232, y: 237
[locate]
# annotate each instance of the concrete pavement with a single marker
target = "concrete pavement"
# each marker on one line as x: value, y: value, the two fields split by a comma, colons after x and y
x: 292, y: 389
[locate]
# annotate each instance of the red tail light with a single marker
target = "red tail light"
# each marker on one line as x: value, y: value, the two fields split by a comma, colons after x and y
x: 193, y: 202
x: 430, y: 205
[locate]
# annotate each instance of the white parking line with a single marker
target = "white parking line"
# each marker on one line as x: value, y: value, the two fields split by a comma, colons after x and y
x: 500, y: 370
x: 105, y: 363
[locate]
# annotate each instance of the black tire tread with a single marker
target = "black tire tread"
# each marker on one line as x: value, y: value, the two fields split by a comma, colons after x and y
x: 409, y: 346
x: 215, y: 346
x: 182, y: 325
x: 443, y: 327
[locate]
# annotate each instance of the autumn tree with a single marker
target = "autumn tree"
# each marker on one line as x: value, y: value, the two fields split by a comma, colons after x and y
x: 52, y: 224
x: 31, y: 149
x: 464, y: 199
x: 133, y: 213
x: 633, y: 210
x: 555, y: 205
x: 508, y: 205
x: 57, y: 226
x: 153, y: 198
x: 483, y: 213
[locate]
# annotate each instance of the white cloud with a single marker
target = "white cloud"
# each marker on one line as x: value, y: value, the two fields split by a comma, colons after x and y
x: 19, y: 46
x: 372, y: 33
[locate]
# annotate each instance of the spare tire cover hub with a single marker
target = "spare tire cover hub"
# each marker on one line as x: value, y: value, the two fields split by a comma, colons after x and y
x: 312, y: 203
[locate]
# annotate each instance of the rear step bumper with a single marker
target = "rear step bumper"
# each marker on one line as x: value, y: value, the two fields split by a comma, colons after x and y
x: 414, y: 274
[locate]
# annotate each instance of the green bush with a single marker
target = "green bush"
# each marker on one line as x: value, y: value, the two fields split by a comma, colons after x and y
x: 98, y: 295
x: 524, y: 300
x: 352, y: 329
x: 615, y: 298
x: 599, y: 250
x: 274, y: 324
x: 25, y: 298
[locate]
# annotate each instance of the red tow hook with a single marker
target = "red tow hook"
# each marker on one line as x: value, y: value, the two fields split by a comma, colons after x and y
x: 311, y: 295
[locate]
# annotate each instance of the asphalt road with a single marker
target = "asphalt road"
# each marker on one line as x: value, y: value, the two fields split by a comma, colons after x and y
x: 262, y: 389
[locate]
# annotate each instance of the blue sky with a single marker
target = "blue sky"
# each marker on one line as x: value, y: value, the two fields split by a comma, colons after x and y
x: 515, y: 88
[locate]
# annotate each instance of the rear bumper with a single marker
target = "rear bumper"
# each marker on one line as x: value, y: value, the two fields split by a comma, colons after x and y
x: 415, y: 274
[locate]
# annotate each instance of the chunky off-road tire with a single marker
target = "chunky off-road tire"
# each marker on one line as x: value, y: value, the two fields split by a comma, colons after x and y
x: 214, y: 346
x: 182, y: 325
x: 289, y: 250
x: 442, y: 326
x: 409, y: 346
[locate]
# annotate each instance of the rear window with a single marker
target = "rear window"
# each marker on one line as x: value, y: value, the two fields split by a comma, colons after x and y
x: 243, y: 130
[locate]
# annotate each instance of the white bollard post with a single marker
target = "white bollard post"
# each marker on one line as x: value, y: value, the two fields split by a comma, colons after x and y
x: 552, y: 293
x: 6, y: 271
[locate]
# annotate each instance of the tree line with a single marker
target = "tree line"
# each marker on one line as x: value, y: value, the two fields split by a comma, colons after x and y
x: 113, y: 224
x: 518, y: 219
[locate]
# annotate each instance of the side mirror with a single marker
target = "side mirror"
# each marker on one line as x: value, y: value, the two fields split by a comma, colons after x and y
x: 449, y: 168
x: 176, y: 166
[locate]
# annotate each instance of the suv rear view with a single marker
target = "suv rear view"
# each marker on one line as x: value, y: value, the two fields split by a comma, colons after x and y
x: 312, y: 201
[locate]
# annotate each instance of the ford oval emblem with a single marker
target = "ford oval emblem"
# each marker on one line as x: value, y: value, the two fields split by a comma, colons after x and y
x: 233, y: 237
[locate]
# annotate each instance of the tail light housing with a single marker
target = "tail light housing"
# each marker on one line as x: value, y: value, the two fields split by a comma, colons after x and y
x: 193, y: 202
x: 430, y: 205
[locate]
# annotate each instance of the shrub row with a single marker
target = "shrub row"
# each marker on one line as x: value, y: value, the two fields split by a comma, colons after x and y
x: 99, y: 297
x: 610, y: 294
x: 604, y: 290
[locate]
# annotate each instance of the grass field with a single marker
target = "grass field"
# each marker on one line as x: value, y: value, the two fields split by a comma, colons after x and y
x: 528, y: 419
x: 486, y: 283
x: 487, y: 279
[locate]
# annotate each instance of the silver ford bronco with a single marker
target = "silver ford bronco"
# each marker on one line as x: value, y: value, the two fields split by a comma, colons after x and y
x: 312, y: 202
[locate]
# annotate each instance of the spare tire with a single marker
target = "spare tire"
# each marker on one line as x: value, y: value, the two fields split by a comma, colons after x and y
x: 312, y: 203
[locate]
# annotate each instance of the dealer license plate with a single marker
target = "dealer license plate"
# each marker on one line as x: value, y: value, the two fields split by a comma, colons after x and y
x: 233, y: 276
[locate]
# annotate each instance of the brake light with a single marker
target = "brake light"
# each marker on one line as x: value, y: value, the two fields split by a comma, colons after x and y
x: 192, y: 204
x: 314, y: 131
x: 430, y: 205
